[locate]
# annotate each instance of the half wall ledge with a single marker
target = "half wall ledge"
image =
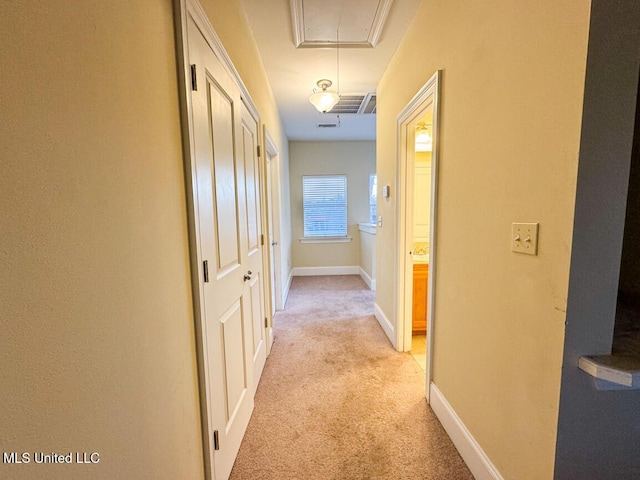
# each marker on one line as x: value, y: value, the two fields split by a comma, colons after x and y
x: 612, y: 372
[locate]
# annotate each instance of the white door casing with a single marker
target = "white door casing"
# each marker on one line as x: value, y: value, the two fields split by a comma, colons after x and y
x: 273, y: 214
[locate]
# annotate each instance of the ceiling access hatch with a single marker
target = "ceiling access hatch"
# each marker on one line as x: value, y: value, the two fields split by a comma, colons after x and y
x: 360, y: 22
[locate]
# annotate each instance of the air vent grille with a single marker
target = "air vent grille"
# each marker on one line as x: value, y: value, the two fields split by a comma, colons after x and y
x: 369, y: 105
x: 327, y: 125
x: 348, y: 104
x: 355, y: 104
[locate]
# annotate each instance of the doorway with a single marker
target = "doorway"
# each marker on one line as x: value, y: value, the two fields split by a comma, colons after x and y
x: 417, y: 135
x: 418, y: 229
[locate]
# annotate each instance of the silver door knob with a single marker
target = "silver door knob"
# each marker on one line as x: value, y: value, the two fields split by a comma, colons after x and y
x: 273, y: 244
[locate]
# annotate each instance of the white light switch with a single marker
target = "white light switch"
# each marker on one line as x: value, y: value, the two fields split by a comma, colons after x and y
x: 379, y: 221
x: 524, y: 238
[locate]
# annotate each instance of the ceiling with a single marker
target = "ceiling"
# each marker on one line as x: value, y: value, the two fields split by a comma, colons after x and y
x: 297, y: 42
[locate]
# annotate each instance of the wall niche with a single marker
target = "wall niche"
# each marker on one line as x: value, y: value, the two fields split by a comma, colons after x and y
x: 626, y: 337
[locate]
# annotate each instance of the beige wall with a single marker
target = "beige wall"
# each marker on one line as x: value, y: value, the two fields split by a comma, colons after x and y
x: 357, y: 160
x: 97, y: 351
x: 512, y: 87
x: 368, y: 253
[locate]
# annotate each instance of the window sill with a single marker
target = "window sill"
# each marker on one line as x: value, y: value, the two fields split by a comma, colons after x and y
x: 612, y: 372
x: 367, y: 228
x: 325, y: 240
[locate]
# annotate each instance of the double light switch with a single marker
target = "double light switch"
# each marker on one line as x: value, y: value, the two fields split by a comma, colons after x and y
x: 524, y: 238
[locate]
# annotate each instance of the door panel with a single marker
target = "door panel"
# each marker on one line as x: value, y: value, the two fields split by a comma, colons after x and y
x: 256, y: 315
x: 235, y: 366
x: 224, y: 174
x: 250, y: 145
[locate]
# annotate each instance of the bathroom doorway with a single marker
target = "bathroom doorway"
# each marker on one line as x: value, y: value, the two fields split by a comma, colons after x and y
x: 417, y: 141
x: 421, y: 223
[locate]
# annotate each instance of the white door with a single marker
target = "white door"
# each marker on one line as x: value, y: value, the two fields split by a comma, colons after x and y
x: 254, y: 300
x: 226, y: 231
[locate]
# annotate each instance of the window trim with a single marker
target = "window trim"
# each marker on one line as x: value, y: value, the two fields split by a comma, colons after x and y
x: 326, y: 238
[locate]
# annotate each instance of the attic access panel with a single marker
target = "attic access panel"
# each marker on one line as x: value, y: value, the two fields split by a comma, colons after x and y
x: 315, y: 22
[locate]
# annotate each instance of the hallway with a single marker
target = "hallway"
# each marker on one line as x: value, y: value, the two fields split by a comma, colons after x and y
x: 336, y: 401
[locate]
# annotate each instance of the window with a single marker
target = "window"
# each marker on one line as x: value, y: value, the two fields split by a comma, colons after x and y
x: 324, y: 200
x: 373, y: 196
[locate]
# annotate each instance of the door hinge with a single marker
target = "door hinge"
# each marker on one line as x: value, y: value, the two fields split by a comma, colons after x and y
x: 259, y: 151
x: 194, y: 79
x: 205, y: 270
x: 266, y: 322
x: 262, y: 239
x: 216, y: 440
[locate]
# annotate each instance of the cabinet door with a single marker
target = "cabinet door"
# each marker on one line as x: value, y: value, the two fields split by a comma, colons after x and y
x: 420, y: 283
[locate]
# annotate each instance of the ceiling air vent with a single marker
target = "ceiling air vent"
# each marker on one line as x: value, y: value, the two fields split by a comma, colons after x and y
x: 369, y: 104
x: 355, y: 104
x: 327, y: 125
x: 348, y: 104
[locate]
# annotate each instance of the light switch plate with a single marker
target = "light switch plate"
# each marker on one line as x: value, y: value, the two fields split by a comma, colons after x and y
x: 524, y: 238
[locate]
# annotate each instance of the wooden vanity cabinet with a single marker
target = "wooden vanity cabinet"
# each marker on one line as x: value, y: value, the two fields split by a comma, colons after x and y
x: 420, y: 285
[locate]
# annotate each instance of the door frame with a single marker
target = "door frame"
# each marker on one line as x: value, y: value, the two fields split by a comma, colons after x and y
x: 272, y: 158
x: 427, y: 96
x: 183, y: 10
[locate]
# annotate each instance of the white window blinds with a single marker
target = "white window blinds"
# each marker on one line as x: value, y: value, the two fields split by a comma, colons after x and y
x: 325, y: 205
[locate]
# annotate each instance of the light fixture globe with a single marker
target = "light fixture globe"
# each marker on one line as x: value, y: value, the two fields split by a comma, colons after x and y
x: 324, y: 101
x: 424, y: 142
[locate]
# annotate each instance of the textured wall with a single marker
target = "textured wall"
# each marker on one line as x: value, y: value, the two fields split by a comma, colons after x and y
x: 97, y: 351
x: 357, y: 160
x: 512, y: 90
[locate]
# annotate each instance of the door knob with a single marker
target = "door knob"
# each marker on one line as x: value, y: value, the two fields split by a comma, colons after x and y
x: 273, y: 244
x: 247, y: 276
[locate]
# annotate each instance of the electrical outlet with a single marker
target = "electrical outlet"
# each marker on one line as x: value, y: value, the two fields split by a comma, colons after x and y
x: 524, y: 238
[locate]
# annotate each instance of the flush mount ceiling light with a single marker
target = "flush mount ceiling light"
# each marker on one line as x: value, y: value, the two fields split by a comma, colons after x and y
x: 324, y: 100
x: 424, y: 142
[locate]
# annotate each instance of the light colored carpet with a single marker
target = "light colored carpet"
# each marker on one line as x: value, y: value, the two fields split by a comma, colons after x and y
x: 336, y: 401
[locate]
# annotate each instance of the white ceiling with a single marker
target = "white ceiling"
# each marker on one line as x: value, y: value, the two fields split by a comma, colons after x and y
x: 293, y: 72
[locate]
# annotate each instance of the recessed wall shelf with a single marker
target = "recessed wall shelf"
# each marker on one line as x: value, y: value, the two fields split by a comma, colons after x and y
x: 612, y: 372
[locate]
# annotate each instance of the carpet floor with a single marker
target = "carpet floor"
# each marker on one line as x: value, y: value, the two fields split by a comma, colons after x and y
x: 336, y: 401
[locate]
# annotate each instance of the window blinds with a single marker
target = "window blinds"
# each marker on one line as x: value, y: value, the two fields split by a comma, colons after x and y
x: 325, y: 205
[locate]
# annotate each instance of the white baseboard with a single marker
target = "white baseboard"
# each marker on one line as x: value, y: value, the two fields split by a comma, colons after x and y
x: 386, y: 325
x: 469, y: 449
x: 287, y: 287
x: 312, y: 271
x: 371, y: 283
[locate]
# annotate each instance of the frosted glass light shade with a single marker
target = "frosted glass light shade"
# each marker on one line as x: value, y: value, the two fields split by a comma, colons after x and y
x: 324, y: 101
x: 424, y: 142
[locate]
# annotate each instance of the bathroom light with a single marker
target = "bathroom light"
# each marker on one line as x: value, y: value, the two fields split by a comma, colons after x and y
x: 324, y: 101
x: 424, y: 142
